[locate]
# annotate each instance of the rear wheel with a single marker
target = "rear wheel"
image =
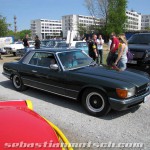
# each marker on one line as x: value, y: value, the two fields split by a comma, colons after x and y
x: 17, y: 83
x: 95, y: 102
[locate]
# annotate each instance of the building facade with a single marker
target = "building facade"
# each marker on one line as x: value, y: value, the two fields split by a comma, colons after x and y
x: 71, y: 22
x: 145, y: 23
x: 45, y: 28
x: 133, y: 21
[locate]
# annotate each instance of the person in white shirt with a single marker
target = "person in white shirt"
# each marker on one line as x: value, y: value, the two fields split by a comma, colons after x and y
x: 100, y: 43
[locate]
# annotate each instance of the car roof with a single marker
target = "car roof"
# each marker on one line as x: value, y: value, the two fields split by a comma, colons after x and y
x: 55, y: 50
x: 74, y: 42
x: 142, y: 33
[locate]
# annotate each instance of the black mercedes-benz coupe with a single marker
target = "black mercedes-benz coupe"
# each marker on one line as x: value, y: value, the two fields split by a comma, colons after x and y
x: 72, y: 73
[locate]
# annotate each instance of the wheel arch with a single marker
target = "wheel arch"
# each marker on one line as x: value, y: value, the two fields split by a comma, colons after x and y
x: 90, y: 87
x: 13, y: 73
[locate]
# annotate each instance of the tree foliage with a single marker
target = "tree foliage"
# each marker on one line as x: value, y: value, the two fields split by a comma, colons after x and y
x: 82, y: 29
x: 116, y: 16
x: 112, y: 11
x: 20, y: 34
x: 4, y: 26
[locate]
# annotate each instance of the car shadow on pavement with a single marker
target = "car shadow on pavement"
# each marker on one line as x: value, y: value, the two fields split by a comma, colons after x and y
x: 113, y: 114
x: 65, y: 102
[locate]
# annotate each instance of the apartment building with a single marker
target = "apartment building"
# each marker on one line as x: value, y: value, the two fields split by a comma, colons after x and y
x: 45, y: 28
x: 71, y: 22
x: 133, y: 21
x: 145, y: 23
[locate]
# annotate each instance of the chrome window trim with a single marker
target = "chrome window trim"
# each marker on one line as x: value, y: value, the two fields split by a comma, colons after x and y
x: 41, y: 66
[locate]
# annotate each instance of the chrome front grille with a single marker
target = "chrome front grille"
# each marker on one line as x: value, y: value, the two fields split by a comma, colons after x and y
x: 142, y: 89
x: 7, y: 48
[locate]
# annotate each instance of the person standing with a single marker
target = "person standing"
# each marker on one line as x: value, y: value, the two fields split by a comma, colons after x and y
x: 1, y: 57
x: 122, y: 54
x: 93, y: 51
x: 100, y: 43
x: 37, y: 42
x: 26, y: 41
x: 113, y: 54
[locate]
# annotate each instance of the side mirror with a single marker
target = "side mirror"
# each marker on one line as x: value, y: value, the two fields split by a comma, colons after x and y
x: 54, y: 67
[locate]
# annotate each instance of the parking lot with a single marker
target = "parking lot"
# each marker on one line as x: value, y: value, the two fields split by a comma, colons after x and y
x: 130, y: 126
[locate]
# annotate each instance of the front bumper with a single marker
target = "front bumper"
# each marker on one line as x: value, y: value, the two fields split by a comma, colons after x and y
x: 118, y: 104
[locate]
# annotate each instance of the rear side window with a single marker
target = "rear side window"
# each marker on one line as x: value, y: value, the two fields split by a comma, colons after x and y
x: 28, y: 57
x: 41, y: 59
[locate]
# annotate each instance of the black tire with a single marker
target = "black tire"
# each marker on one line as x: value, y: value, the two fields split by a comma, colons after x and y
x: 17, y: 83
x: 95, y: 102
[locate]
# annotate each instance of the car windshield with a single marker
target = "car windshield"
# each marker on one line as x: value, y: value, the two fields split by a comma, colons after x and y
x: 81, y: 44
x: 139, y: 39
x: 52, y: 43
x: 44, y: 43
x: 61, y: 45
x: 74, y: 59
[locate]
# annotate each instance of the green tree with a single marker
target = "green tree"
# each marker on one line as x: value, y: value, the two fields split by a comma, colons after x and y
x: 23, y: 33
x: 112, y: 12
x: 19, y: 35
x: 116, y: 16
x: 4, y: 26
x: 82, y: 30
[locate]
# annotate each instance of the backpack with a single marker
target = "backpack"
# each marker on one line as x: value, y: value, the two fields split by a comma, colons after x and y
x: 129, y: 55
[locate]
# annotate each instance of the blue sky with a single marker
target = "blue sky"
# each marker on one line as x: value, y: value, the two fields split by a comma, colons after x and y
x: 27, y: 10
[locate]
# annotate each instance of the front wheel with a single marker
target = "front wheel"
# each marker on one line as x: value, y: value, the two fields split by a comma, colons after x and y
x: 17, y: 83
x: 95, y: 102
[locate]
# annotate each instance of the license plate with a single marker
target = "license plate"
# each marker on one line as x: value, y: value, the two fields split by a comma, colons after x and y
x: 147, y: 98
x: 132, y: 62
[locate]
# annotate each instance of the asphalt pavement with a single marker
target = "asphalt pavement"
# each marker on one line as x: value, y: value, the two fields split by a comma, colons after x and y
x: 130, y: 126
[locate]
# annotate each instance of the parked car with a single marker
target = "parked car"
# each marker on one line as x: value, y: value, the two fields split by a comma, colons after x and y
x: 74, y: 74
x: 61, y: 44
x: 22, y: 128
x: 22, y: 52
x: 139, y: 45
x: 44, y: 43
x: 52, y: 43
x: 80, y: 45
x: 12, y: 48
x: 3, y: 51
x: 31, y: 44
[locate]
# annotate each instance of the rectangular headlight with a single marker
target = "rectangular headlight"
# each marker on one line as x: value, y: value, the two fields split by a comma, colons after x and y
x: 125, y: 93
x: 131, y: 92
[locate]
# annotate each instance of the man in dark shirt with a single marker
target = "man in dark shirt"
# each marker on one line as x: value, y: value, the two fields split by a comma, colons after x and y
x: 25, y: 41
x: 37, y: 42
x: 93, y: 51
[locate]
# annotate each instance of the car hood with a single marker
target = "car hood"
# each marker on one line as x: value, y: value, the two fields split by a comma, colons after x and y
x: 139, y: 46
x: 125, y: 76
x: 19, y: 123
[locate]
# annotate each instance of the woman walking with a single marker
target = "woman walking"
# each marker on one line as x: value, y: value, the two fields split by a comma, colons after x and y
x: 121, y: 60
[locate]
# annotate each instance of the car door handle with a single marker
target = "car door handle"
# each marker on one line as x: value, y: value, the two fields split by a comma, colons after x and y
x: 34, y: 71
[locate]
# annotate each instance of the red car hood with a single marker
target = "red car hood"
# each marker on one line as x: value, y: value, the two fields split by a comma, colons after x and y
x: 20, y: 126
